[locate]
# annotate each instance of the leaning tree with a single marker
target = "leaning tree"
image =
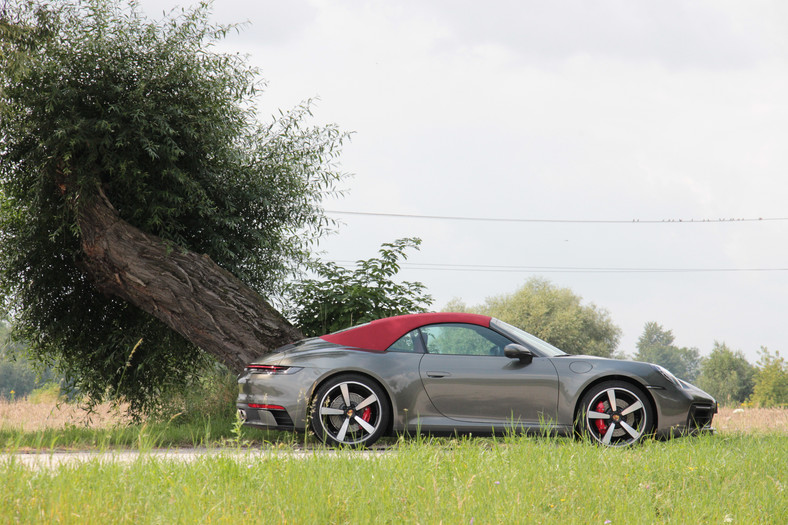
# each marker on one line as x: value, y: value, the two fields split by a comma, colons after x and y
x: 141, y: 197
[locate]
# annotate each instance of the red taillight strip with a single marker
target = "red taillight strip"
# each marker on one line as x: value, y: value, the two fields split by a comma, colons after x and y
x: 265, y: 407
x: 272, y: 369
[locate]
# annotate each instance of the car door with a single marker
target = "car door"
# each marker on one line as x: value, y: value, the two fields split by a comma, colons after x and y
x: 467, y: 377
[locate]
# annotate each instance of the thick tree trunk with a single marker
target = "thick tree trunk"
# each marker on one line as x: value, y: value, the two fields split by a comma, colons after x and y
x: 189, y: 292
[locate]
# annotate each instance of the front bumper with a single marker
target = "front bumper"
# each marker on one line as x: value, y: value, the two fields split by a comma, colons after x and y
x: 700, y: 417
x: 683, y: 411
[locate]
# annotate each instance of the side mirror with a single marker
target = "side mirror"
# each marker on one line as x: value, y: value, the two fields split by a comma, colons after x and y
x: 515, y: 351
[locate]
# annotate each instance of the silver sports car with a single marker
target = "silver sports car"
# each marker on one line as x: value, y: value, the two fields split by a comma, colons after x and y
x: 455, y: 372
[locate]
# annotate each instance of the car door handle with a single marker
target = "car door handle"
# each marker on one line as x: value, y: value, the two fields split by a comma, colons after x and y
x: 438, y: 375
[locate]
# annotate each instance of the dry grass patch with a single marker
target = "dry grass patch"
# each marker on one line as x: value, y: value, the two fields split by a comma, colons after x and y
x: 51, y: 415
x: 751, y: 420
x: 31, y: 417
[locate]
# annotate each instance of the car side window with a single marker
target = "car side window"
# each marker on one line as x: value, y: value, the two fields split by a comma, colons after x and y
x: 407, y: 343
x: 463, y: 339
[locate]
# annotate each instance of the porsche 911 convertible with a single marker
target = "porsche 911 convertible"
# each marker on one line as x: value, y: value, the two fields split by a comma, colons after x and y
x: 461, y: 373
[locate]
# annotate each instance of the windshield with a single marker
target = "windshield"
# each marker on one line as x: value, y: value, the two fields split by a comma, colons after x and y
x: 542, y: 347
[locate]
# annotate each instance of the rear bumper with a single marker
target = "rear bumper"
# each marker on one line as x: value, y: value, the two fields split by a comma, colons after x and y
x: 270, y: 418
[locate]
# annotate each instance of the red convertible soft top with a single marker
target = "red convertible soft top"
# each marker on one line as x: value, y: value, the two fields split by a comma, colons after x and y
x: 380, y: 334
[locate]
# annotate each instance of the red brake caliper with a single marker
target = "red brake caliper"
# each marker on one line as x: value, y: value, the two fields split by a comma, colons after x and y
x: 600, y: 423
x: 367, y: 414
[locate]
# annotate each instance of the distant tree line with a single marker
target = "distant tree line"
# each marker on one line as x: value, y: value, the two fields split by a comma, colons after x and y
x: 724, y: 373
x: 18, y: 375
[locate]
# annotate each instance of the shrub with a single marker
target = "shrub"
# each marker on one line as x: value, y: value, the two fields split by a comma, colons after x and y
x: 46, y: 393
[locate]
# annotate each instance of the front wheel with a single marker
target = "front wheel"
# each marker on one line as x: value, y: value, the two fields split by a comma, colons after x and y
x: 615, y: 414
x: 350, y: 410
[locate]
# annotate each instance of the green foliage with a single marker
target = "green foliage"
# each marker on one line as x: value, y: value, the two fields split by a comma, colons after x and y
x: 726, y: 375
x: 456, y: 304
x: 210, y: 397
x: 656, y: 346
x: 17, y: 377
x: 8, y: 347
x: 771, y: 380
x: 17, y: 374
x: 556, y: 315
x: 93, y: 94
x: 46, y: 393
x: 340, y: 298
x: 20, y: 376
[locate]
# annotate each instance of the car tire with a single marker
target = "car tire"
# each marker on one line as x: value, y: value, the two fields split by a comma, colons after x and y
x: 616, y: 414
x: 350, y: 410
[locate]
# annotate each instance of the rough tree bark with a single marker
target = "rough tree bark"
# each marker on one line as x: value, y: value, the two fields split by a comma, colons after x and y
x: 187, y: 291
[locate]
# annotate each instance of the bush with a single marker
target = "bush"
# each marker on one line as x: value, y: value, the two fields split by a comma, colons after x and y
x: 340, y: 298
x: 726, y: 375
x: 210, y: 396
x: 771, y: 381
x: 46, y: 393
x: 19, y: 376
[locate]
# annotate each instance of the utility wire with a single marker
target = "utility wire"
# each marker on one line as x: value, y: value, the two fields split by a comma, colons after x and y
x: 559, y: 221
x: 561, y: 269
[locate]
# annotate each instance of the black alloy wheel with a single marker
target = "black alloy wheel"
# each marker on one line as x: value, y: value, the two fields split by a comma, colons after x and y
x: 350, y: 410
x: 615, y: 414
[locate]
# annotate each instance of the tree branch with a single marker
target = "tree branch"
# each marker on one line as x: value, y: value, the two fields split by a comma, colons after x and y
x: 187, y: 291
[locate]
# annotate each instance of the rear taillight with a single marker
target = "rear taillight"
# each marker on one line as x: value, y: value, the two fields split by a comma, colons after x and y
x: 266, y: 407
x: 272, y: 369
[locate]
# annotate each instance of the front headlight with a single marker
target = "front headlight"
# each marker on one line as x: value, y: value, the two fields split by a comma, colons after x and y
x: 678, y: 383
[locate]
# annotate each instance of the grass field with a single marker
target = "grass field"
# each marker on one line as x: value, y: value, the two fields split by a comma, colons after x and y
x: 737, y: 476
x: 714, y: 479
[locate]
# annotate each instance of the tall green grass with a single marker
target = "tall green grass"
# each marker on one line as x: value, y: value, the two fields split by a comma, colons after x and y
x: 711, y: 479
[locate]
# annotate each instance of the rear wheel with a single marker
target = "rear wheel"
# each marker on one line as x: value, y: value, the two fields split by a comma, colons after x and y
x: 615, y: 414
x: 350, y: 410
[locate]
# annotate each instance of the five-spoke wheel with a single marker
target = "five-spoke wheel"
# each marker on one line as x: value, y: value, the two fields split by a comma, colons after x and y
x: 350, y: 410
x: 615, y: 413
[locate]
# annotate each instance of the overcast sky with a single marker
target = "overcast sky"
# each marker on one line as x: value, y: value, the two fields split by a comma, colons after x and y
x: 557, y: 111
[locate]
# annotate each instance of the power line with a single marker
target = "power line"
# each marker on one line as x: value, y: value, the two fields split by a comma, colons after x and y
x: 558, y: 221
x: 562, y: 269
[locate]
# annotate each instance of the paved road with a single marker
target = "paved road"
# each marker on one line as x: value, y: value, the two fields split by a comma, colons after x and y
x: 54, y: 459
